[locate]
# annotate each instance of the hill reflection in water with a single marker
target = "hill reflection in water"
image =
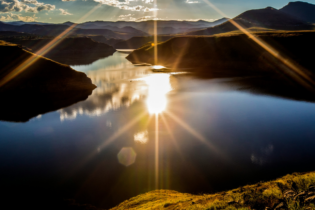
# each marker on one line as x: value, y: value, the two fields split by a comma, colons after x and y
x: 119, y: 84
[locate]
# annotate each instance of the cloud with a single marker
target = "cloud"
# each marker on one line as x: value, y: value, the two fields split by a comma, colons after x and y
x: 13, y: 17
x: 64, y: 12
x: 145, y: 18
x: 24, y: 5
x: 128, y: 17
x: 123, y: 17
x: 132, y: 5
x: 192, y: 2
x: 29, y: 1
x: 42, y: 6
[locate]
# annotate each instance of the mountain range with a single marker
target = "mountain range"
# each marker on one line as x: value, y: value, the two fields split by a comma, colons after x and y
x: 56, y: 29
x: 267, y: 18
x: 301, y: 10
x: 117, y: 30
x: 294, y: 16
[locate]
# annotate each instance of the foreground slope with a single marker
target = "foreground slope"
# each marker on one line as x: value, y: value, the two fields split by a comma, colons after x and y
x: 296, y: 191
x: 41, y: 86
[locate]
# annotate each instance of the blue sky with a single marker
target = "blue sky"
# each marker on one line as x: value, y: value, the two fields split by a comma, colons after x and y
x: 57, y: 11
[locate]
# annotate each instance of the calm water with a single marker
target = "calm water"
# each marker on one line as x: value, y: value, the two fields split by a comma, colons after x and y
x: 141, y: 130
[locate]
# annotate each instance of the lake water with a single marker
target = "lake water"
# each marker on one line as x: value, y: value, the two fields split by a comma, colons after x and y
x: 140, y: 131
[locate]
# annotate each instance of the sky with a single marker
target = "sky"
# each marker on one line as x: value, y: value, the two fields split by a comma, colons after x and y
x: 59, y: 11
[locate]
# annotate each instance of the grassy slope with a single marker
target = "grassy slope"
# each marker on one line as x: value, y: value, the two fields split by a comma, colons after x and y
x: 287, y: 190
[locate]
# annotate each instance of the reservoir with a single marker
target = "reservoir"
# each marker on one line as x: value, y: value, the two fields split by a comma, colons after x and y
x: 140, y: 131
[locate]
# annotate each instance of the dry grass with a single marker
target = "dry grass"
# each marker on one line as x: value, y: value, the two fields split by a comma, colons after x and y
x: 258, y: 196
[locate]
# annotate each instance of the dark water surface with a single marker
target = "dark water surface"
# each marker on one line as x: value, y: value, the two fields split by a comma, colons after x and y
x: 212, y: 136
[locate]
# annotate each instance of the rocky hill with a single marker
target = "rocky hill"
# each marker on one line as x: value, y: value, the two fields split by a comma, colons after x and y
x: 31, y: 85
x: 301, y: 10
x: 268, y: 18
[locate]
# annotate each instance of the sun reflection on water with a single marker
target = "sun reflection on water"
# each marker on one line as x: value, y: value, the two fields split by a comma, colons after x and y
x: 141, y: 137
x: 158, y: 86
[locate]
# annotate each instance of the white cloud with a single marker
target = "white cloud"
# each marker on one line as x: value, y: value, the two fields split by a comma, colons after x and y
x: 29, y: 1
x: 127, y: 17
x: 64, y: 12
x: 13, y: 17
x: 24, y: 5
x: 145, y: 18
x: 192, y: 2
x: 129, y: 4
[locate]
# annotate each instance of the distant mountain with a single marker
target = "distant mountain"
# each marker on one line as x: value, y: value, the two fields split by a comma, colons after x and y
x: 269, y: 18
x: 102, y: 39
x: 116, y: 30
x: 164, y: 26
x: 105, y: 25
x: 130, y: 29
x: 56, y: 29
x: 176, y: 27
x: 13, y: 34
x: 19, y: 23
x: 68, y: 23
x: 136, y: 42
x: 194, y: 26
x: 71, y: 51
x: 302, y: 10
